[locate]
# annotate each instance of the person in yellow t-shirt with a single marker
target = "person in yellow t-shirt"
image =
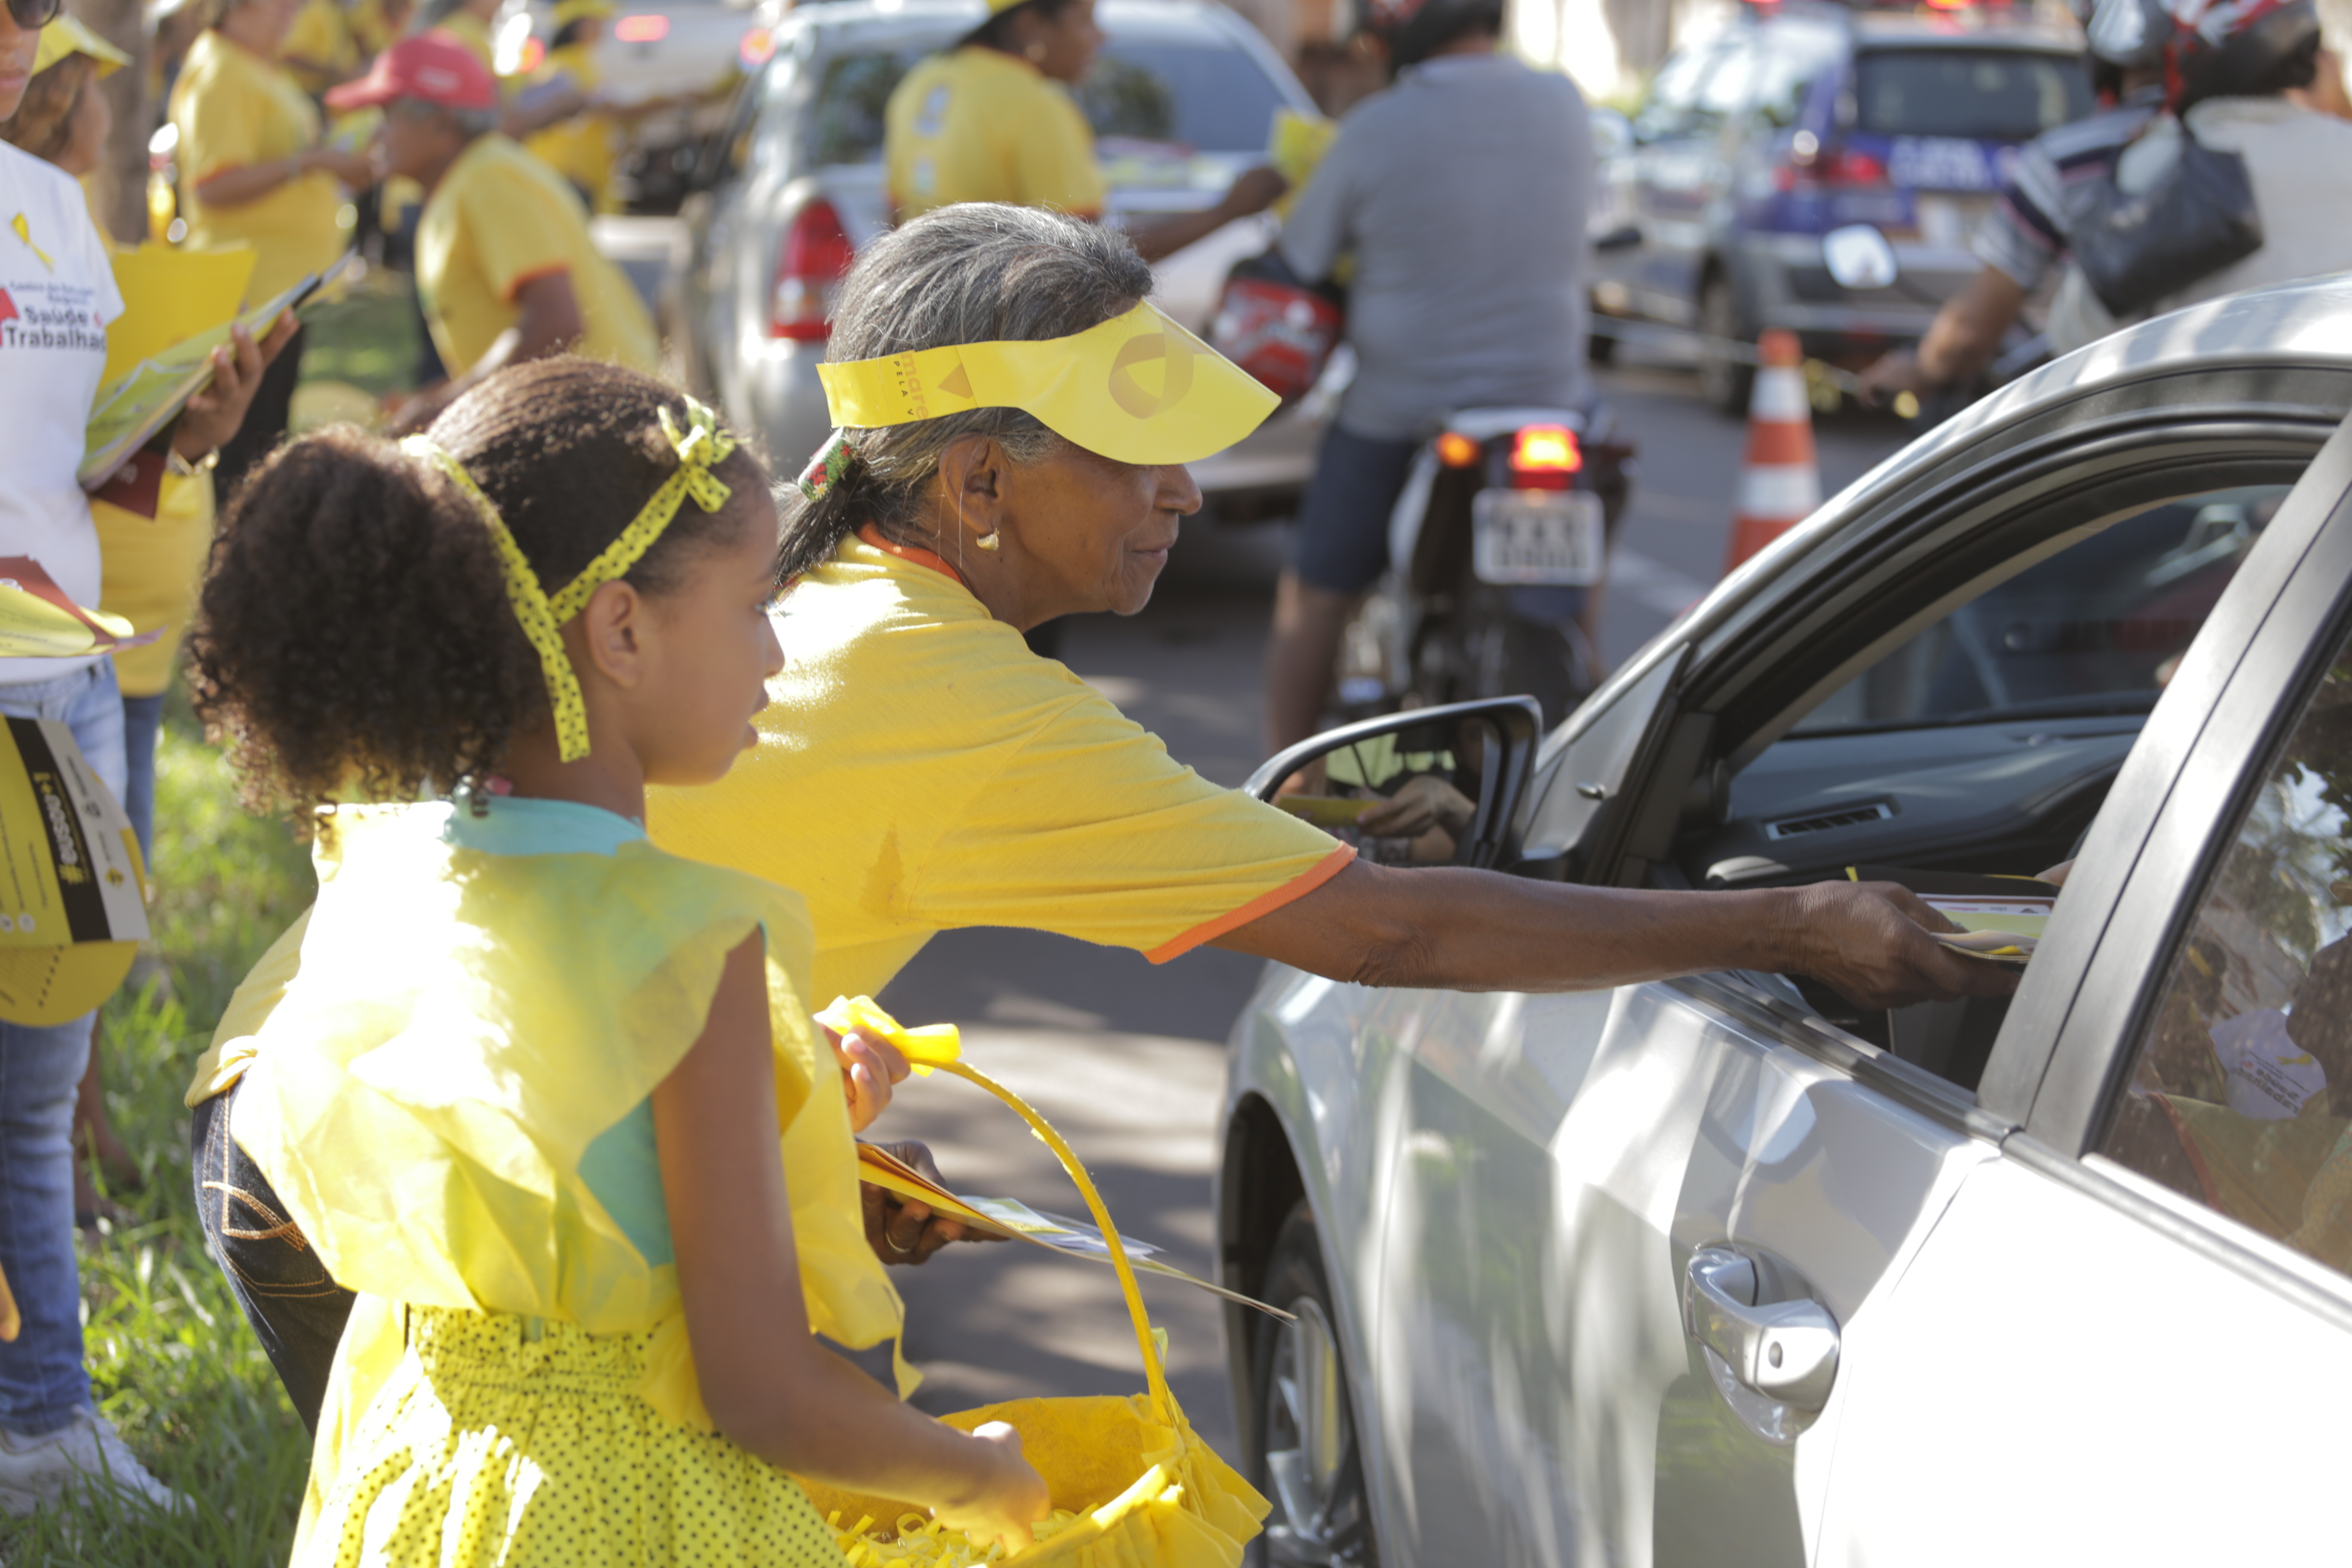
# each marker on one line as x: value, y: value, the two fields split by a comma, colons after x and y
x: 254, y: 173
x: 992, y: 120
x: 468, y: 22
x: 321, y: 51
x: 579, y: 147
x: 506, y: 269
x: 377, y: 25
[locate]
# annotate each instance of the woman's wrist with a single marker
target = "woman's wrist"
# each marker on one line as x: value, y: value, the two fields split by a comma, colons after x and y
x: 297, y: 166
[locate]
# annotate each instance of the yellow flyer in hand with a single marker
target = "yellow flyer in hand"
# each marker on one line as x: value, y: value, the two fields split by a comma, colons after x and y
x: 72, y: 901
x: 170, y: 295
x: 129, y: 412
x: 37, y: 621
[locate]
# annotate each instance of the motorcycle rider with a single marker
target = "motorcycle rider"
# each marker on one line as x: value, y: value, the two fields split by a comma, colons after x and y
x: 2022, y: 241
x: 2230, y: 66
x: 1461, y: 192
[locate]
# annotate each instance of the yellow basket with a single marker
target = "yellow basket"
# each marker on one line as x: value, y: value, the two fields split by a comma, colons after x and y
x: 1147, y: 1491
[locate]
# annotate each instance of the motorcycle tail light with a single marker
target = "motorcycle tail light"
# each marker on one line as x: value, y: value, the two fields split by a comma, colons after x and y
x: 644, y: 29
x: 757, y: 45
x: 1543, y: 456
x: 1456, y: 451
x: 816, y: 254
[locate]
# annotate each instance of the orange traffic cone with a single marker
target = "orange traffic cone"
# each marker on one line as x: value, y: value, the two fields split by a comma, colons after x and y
x: 1780, y: 483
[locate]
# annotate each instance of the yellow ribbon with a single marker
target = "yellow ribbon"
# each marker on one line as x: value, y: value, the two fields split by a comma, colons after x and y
x: 699, y: 447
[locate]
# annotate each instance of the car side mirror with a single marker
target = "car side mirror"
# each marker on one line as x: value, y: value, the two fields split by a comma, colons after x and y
x: 1430, y: 786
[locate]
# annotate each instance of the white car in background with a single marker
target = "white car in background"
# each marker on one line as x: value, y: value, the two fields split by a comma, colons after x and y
x: 1183, y: 100
x: 1724, y: 1270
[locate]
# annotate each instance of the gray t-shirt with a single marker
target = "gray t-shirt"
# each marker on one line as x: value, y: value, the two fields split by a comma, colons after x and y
x: 1462, y: 191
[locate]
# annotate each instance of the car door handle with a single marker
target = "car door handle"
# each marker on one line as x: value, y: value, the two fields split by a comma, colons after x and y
x: 1785, y: 1351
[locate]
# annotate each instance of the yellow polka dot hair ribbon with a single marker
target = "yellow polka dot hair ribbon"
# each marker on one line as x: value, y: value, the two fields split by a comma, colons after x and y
x: 700, y: 446
x: 1136, y: 389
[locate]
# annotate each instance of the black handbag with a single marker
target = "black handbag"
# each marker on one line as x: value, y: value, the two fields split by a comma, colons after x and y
x: 2197, y: 219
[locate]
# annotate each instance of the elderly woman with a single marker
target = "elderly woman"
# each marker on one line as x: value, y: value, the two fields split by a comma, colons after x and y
x: 920, y: 770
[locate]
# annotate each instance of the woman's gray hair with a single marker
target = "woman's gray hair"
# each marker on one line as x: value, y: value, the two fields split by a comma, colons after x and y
x: 973, y: 273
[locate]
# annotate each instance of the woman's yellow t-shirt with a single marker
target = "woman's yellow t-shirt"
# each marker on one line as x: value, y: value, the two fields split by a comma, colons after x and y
x: 920, y: 770
x: 498, y: 219
x: 322, y: 42
x: 980, y: 125
x: 236, y: 110
x: 150, y: 571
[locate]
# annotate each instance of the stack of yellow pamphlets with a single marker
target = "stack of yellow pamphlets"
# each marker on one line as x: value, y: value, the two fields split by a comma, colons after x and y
x: 160, y: 354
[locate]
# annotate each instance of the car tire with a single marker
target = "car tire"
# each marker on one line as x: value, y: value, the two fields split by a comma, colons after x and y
x: 1727, y: 383
x: 1302, y: 1423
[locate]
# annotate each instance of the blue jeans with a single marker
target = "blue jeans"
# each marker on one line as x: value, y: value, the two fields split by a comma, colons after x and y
x: 42, y: 1379
x: 142, y: 717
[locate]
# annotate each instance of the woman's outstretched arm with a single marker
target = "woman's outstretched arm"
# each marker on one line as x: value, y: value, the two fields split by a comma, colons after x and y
x: 769, y: 1385
x: 1482, y: 931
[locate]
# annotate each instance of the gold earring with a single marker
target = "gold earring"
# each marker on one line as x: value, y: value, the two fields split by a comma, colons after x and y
x: 992, y: 539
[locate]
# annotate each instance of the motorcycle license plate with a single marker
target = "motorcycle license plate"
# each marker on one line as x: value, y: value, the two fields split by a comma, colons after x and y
x: 1550, y: 537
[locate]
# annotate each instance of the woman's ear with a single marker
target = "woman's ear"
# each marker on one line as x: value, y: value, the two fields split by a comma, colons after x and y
x: 972, y: 472
x: 611, y: 632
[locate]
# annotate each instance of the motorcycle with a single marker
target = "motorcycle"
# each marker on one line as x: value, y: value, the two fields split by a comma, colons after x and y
x: 1499, y: 549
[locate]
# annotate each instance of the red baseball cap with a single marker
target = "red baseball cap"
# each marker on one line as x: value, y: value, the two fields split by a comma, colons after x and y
x: 430, y: 67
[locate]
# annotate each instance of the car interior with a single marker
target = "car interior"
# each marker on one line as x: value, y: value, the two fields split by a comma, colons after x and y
x: 1980, y: 733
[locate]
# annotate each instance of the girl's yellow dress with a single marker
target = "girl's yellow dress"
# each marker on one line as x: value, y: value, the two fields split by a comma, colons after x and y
x: 453, y: 1100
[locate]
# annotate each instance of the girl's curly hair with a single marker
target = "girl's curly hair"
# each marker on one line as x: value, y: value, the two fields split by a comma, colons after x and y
x: 354, y: 636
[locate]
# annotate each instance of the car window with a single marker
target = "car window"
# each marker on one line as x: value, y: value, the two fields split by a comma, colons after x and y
x: 1786, y: 71
x: 2096, y: 628
x: 1668, y: 108
x: 1201, y: 97
x: 2006, y: 95
x: 2241, y: 1094
x: 1209, y: 99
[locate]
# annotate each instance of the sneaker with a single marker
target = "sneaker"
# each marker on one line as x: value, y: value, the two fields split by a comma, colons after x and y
x: 86, y: 1452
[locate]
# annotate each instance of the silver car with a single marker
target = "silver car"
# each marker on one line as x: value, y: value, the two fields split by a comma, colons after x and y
x: 1724, y: 1270
x: 1183, y: 100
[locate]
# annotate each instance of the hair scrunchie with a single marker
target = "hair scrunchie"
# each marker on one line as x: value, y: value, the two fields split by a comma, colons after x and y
x: 834, y: 464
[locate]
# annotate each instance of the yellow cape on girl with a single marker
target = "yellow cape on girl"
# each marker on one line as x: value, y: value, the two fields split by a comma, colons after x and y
x: 452, y: 1096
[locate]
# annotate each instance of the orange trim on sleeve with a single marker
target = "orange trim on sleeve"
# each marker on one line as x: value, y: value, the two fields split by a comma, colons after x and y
x: 1298, y: 887
x: 550, y: 270
x: 872, y: 535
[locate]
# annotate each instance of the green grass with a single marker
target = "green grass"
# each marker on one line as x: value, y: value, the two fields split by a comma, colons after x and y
x: 174, y: 1367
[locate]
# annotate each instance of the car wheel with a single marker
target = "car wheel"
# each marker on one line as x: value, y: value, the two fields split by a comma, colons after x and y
x: 1303, y: 1427
x: 1727, y: 382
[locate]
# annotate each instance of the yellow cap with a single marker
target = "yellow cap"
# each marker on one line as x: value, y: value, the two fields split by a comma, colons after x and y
x: 68, y: 35
x: 570, y: 11
x: 1136, y: 389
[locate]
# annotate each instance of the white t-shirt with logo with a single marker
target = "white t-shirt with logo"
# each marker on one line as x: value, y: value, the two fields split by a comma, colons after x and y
x: 57, y: 295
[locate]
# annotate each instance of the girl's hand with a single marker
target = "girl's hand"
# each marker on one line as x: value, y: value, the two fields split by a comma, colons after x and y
x: 868, y: 1067
x: 1010, y: 1497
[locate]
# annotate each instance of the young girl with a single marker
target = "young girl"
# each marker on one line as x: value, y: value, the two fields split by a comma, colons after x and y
x: 547, y: 1097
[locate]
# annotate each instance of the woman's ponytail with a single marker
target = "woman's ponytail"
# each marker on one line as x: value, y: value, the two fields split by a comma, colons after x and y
x: 354, y: 635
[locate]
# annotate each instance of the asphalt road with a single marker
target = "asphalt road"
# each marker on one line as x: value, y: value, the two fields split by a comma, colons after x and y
x: 1127, y: 1059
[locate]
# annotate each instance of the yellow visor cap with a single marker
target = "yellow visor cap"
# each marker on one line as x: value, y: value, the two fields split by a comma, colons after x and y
x: 1136, y: 389
x: 68, y: 35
